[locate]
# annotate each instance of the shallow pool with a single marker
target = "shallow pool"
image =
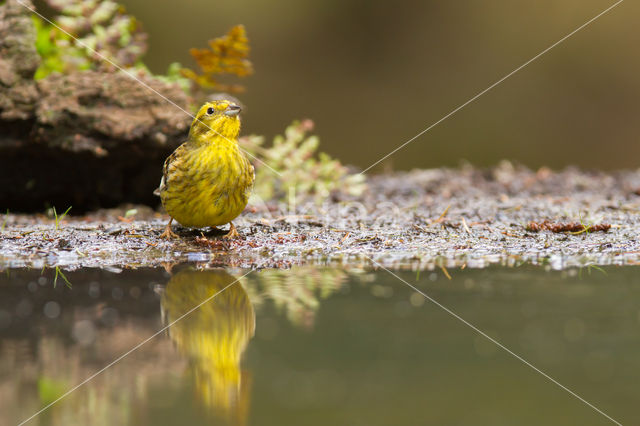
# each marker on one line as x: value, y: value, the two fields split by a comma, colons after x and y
x: 319, y: 346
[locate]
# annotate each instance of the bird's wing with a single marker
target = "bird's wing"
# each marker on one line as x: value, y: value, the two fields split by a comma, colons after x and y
x: 175, y: 159
x: 252, y: 178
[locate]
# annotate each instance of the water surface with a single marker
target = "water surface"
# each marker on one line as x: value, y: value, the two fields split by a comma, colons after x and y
x: 319, y: 346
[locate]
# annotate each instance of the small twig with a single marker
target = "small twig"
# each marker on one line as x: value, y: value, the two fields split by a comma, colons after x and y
x: 443, y: 215
x: 445, y: 272
x: 212, y: 244
x: 364, y: 240
x: 344, y: 238
x: 571, y: 228
x: 466, y: 228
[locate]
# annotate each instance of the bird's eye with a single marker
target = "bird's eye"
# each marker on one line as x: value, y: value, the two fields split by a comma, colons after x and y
x: 210, y: 110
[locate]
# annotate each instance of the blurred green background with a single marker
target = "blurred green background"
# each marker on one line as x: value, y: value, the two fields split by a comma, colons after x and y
x: 373, y: 73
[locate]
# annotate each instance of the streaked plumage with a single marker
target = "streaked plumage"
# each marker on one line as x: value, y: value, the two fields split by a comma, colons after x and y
x: 213, y: 337
x: 207, y: 180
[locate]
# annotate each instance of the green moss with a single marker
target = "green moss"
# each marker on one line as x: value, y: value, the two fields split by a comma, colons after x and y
x: 57, y: 50
x: 102, y: 30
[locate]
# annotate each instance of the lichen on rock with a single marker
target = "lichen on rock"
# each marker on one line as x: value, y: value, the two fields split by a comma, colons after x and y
x: 18, y: 62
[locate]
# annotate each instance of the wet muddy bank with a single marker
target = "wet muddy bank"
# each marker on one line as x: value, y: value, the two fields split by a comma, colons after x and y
x: 463, y: 217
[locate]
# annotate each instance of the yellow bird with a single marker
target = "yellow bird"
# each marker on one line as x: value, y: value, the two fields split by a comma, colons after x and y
x: 207, y: 180
x: 213, y: 337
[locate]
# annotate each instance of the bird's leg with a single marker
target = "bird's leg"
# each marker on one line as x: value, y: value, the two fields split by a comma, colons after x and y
x: 168, y: 266
x: 168, y: 233
x: 233, y: 233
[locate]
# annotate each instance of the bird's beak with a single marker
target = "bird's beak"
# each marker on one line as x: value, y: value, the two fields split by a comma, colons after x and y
x: 232, y: 110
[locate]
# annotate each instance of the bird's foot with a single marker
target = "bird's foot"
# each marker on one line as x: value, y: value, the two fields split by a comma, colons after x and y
x: 233, y: 232
x: 168, y: 266
x: 168, y: 233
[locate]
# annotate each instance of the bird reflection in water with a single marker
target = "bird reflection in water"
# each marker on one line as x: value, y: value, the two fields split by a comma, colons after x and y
x: 213, y: 337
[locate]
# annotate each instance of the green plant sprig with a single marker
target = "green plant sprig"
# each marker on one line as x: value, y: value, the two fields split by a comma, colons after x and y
x: 59, y: 273
x: 295, y: 157
x: 57, y: 219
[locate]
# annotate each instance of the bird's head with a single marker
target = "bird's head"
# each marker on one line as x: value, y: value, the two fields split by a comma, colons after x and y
x: 217, y: 118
